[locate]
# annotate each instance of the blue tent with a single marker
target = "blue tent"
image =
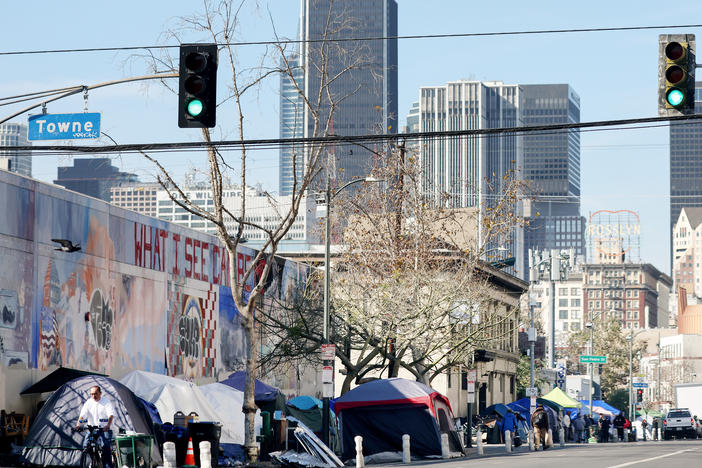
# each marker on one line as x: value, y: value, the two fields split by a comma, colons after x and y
x: 262, y: 391
x: 305, y: 402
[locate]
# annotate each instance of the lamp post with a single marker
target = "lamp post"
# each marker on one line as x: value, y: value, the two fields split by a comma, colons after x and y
x: 328, y: 197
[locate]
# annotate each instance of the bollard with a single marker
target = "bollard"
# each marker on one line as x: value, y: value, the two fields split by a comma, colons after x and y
x: 444, y: 446
x: 530, y: 436
x: 508, y: 441
x: 359, y: 451
x: 205, y: 454
x: 406, y: 458
x: 169, y: 455
x: 479, y: 441
x: 561, y: 437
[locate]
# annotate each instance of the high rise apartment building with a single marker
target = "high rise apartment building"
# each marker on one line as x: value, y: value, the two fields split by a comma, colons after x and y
x: 14, y: 134
x: 687, y: 251
x: 136, y: 197
x: 365, y: 96
x: 291, y: 126
x: 686, y: 163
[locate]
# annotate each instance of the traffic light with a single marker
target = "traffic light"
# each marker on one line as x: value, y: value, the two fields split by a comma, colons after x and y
x: 639, y: 395
x: 197, y: 91
x: 676, y: 74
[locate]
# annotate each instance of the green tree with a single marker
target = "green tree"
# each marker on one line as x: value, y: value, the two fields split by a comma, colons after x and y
x: 524, y: 375
x: 619, y: 398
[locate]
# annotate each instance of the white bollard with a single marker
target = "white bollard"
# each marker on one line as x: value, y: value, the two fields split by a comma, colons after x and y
x: 531, y: 440
x: 561, y: 436
x: 479, y: 441
x: 359, y: 451
x: 169, y: 455
x: 406, y: 457
x: 444, y: 446
x: 508, y: 441
x: 205, y: 454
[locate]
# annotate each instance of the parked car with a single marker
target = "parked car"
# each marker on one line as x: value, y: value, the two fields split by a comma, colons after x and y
x: 679, y: 423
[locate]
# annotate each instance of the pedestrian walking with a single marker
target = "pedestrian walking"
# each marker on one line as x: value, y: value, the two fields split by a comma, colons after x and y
x: 654, y: 428
x: 539, y: 422
x: 619, y: 422
x: 644, y: 425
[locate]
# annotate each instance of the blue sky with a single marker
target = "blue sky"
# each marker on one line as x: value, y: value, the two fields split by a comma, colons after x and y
x: 615, y: 74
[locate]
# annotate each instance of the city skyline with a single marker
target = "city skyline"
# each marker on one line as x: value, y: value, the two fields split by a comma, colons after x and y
x: 620, y: 169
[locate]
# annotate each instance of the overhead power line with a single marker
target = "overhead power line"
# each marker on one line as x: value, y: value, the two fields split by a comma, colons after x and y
x: 361, y: 39
x: 352, y: 139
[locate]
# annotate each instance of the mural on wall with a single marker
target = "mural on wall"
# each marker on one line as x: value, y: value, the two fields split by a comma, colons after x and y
x: 140, y: 294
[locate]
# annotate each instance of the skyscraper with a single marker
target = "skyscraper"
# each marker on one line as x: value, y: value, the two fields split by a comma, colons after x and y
x: 93, y: 177
x: 470, y: 171
x: 14, y: 134
x: 291, y: 126
x: 361, y: 78
x: 552, y: 167
x: 686, y: 163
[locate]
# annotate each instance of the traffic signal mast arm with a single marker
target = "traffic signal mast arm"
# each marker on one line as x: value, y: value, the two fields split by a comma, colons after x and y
x: 81, y: 88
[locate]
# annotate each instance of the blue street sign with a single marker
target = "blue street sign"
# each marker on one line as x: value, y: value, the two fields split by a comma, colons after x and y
x: 81, y: 126
x: 640, y: 384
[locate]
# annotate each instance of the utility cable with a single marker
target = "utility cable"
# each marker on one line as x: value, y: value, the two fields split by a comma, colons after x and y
x: 362, y: 39
x: 385, y: 137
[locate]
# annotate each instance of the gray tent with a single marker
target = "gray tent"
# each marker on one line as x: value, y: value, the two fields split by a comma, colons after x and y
x: 50, y: 441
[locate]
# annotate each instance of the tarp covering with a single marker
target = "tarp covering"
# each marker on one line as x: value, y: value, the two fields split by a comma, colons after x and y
x: 262, y: 391
x: 559, y: 396
x: 50, y: 440
x: 54, y: 380
x: 383, y: 410
x: 600, y: 404
x: 169, y: 395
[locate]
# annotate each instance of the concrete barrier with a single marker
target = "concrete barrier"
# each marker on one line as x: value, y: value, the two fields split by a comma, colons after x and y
x: 479, y: 441
x: 169, y: 455
x: 508, y: 441
x: 406, y: 454
x: 444, y: 446
x: 359, y: 452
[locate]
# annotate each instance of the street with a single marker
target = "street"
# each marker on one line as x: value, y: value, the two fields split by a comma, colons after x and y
x: 671, y: 454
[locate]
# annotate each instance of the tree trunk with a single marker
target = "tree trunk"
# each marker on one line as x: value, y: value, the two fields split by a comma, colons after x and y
x: 249, y: 407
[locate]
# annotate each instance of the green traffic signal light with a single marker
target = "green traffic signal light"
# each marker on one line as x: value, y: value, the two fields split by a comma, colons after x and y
x: 675, y: 97
x: 195, y: 107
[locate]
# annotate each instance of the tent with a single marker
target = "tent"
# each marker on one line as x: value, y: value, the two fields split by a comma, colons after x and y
x: 611, y: 410
x: 55, y: 379
x: 212, y: 404
x: 50, y: 440
x: 267, y: 397
x: 559, y: 396
x: 383, y: 410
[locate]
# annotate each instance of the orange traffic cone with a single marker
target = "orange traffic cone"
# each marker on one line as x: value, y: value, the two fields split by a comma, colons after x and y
x: 190, y: 454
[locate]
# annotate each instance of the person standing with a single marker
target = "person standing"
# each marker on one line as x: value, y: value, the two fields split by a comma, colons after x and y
x: 566, y: 426
x: 644, y: 426
x: 654, y: 428
x: 98, y: 411
x: 539, y: 422
x: 619, y: 422
x: 578, y: 425
x: 605, y: 424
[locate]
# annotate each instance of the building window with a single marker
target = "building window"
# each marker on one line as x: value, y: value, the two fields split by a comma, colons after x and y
x: 563, y: 302
x: 562, y: 314
x: 562, y: 291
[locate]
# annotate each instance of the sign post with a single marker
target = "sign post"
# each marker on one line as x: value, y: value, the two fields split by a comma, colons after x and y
x: 471, y: 377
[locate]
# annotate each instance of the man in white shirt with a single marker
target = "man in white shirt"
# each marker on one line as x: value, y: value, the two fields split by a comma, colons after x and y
x: 98, y: 411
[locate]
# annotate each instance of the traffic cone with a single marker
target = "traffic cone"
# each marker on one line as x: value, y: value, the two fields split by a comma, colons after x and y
x: 190, y: 454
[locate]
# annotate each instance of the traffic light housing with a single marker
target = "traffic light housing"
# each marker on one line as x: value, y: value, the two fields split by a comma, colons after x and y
x: 676, y: 74
x: 639, y: 395
x: 197, y: 90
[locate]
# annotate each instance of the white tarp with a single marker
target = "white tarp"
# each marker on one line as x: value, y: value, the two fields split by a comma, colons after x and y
x: 170, y: 395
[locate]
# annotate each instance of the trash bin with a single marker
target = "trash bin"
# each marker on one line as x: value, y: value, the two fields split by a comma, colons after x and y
x: 205, y: 431
x: 134, y: 450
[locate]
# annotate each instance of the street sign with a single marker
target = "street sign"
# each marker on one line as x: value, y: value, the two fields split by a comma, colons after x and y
x: 471, y: 377
x: 328, y: 352
x: 593, y: 359
x: 82, y: 126
x: 532, y: 391
x: 640, y: 384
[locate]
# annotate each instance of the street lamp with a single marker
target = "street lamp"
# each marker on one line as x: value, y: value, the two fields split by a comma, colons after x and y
x: 328, y: 197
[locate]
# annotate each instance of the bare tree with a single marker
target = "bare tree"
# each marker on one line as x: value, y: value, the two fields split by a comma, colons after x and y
x: 411, y: 289
x: 219, y: 21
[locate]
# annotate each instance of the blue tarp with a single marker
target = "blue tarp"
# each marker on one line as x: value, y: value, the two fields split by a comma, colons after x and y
x: 601, y: 404
x: 305, y: 402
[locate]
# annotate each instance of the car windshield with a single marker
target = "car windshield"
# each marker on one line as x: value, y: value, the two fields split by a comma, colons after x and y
x: 679, y: 414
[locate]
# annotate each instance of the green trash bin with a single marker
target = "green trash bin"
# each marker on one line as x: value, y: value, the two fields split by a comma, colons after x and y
x: 134, y: 450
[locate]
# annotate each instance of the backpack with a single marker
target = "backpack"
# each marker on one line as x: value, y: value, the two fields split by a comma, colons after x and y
x: 627, y: 424
x: 540, y: 419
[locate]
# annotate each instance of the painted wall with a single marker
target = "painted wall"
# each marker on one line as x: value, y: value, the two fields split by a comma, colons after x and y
x: 141, y: 294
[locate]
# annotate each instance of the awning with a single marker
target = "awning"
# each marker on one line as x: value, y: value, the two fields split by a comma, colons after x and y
x: 53, y: 381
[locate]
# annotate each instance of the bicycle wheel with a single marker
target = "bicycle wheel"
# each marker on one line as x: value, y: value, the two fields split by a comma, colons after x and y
x: 90, y: 460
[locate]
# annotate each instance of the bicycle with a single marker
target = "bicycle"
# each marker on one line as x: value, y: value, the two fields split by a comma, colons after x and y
x: 91, y: 456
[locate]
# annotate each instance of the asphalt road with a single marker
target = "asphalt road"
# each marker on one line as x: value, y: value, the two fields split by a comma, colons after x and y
x: 667, y: 454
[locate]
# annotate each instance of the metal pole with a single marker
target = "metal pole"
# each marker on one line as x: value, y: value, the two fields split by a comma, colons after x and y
x: 327, y: 243
x: 553, y: 323
x: 592, y: 365
x: 631, y: 382
x: 531, y: 347
x: 658, y: 380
